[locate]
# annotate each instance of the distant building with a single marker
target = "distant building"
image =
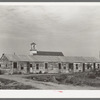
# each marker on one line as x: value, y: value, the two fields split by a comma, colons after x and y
x: 46, y: 62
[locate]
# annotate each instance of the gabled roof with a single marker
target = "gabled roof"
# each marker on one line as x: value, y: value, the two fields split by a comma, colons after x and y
x: 12, y: 57
x: 47, y: 53
x: 38, y: 58
x: 34, y: 58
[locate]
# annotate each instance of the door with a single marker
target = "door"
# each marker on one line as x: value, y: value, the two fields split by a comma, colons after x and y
x: 28, y: 67
x: 83, y: 67
x: 71, y: 67
x: 31, y: 69
x: 15, y: 65
x: 94, y: 66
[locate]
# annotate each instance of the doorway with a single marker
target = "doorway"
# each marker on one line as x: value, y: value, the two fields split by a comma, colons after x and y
x: 94, y: 66
x: 28, y: 67
x: 15, y: 65
x: 71, y: 67
x: 31, y: 69
x: 83, y: 67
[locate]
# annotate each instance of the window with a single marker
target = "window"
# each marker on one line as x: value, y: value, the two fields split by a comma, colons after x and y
x: 76, y: 66
x: 14, y: 65
x: 0, y: 65
x: 37, y: 66
x: 46, y: 66
x: 64, y: 67
x: 30, y: 65
x: 71, y: 66
x: 22, y: 68
x: 88, y: 66
x: 59, y: 65
x: 98, y: 65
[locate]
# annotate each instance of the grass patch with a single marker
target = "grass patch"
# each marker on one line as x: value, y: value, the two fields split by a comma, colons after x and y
x: 10, y: 84
x: 81, y: 78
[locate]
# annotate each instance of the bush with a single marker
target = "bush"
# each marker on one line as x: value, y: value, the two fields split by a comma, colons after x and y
x: 85, y: 78
x: 60, y: 77
x: 2, y: 72
x: 91, y: 75
x: 40, y: 72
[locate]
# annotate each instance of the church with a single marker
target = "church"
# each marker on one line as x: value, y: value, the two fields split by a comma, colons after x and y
x: 42, y: 62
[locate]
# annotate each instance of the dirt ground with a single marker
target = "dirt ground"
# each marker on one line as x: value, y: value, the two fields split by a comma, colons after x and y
x: 46, y: 85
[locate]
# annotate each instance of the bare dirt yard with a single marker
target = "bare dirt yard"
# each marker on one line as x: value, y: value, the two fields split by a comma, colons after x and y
x: 43, y: 82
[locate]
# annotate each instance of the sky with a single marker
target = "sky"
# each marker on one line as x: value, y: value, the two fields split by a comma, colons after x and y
x: 71, y: 29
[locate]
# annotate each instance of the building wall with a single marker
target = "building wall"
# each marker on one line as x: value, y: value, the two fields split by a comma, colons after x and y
x: 52, y: 67
x: 78, y: 67
x: 9, y: 67
x: 22, y: 67
x: 97, y: 66
x: 89, y: 66
x: 65, y: 68
x: 37, y: 67
x: 5, y: 67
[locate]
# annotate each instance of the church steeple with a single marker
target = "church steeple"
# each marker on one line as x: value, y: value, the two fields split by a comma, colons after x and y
x: 33, y: 49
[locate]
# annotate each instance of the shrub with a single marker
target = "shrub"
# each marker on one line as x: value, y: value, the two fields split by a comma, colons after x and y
x: 40, y: 72
x: 2, y: 72
x: 91, y: 75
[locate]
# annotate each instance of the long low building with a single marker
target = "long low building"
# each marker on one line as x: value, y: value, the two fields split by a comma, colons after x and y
x: 46, y: 62
x: 26, y: 64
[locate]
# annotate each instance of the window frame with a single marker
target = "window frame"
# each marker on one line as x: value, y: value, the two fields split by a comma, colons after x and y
x: 59, y: 65
x: 14, y: 63
x: 46, y: 65
x: 89, y: 66
x: 77, y: 66
x: 31, y: 65
x: 37, y: 66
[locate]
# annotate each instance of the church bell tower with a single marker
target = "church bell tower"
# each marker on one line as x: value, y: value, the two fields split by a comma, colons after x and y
x: 33, y: 49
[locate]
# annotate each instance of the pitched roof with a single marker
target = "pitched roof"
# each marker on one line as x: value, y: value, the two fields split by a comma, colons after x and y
x: 47, y: 53
x: 37, y: 58
x: 34, y: 58
x: 12, y: 57
x: 81, y: 59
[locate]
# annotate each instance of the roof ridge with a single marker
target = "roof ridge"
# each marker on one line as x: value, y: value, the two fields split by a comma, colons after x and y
x: 48, y: 51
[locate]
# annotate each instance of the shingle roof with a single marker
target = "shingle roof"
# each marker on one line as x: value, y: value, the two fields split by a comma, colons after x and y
x: 12, y: 57
x: 37, y: 58
x: 81, y: 59
x: 34, y: 58
x: 47, y: 53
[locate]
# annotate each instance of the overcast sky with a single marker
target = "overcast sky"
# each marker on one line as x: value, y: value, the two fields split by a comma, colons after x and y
x: 74, y: 30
